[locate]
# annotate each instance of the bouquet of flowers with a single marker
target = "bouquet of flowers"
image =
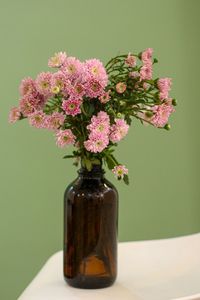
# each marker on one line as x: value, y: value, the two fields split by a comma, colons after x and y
x: 91, y: 106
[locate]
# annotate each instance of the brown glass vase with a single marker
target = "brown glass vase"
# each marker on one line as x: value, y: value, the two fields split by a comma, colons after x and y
x: 90, y: 230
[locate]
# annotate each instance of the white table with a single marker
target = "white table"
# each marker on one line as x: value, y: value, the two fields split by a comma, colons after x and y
x: 148, y: 270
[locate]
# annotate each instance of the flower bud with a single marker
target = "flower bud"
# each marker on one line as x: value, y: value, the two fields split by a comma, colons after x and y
x: 149, y: 114
x: 119, y: 115
x: 167, y: 127
x: 174, y: 102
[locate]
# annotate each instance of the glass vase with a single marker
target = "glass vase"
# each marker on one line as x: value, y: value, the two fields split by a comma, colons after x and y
x: 90, y: 230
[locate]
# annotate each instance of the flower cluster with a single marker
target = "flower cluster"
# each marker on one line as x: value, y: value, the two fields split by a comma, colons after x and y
x: 91, y: 106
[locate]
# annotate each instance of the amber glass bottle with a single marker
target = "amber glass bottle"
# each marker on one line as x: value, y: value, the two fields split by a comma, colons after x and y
x: 90, y: 230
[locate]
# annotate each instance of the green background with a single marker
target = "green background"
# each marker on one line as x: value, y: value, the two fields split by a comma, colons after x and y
x: 163, y: 197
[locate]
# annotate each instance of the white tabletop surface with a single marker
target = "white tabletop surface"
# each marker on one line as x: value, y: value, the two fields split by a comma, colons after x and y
x: 166, y: 269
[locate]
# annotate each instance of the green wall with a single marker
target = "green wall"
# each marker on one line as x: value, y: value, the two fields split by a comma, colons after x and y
x: 163, y: 198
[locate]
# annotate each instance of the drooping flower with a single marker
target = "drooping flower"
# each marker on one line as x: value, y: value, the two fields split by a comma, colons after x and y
x: 27, y: 87
x: 131, y: 60
x: 164, y: 86
x: 43, y: 83
x: 162, y: 113
x: 97, y: 142
x: 72, y: 106
x: 146, y: 72
x: 73, y: 69
x: 118, y: 130
x: 57, y: 60
x: 54, y: 121
x: 14, y: 115
x: 37, y: 119
x: 93, y: 88
x: 65, y: 138
x: 105, y: 97
x: 95, y: 69
x: 147, y: 56
x: 120, y: 171
x: 120, y: 87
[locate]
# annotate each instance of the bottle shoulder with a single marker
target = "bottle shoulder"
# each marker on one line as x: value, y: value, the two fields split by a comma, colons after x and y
x: 88, y: 188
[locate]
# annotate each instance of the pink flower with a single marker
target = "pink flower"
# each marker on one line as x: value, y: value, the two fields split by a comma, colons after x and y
x: 72, y: 107
x: 96, y: 142
x: 134, y: 74
x: 65, y: 138
x: 14, y: 115
x: 76, y: 91
x: 59, y: 80
x: 164, y: 86
x: 95, y: 69
x: 28, y: 105
x: 57, y: 60
x: 162, y: 113
x: 120, y: 87
x: 27, y: 87
x: 100, y: 124
x: 120, y: 171
x: 73, y: 69
x: 146, y: 72
x: 37, y: 119
x: 118, y: 130
x: 93, y: 88
x: 147, y: 56
x: 131, y: 60
x: 105, y: 97
x: 43, y: 83
x: 54, y: 121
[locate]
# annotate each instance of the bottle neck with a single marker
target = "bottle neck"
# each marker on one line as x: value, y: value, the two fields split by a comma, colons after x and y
x: 96, y: 172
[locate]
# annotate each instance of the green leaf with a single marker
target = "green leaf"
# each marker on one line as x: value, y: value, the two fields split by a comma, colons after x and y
x: 96, y: 161
x: 68, y: 156
x: 88, y: 164
x: 126, y: 179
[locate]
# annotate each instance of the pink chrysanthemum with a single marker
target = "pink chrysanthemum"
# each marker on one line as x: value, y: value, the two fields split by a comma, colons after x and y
x: 65, y: 138
x: 59, y: 80
x: 105, y: 97
x: 147, y: 56
x: 131, y: 60
x: 57, y: 60
x: 162, y: 113
x: 43, y: 83
x: 118, y: 130
x: 134, y: 74
x: 28, y: 105
x: 76, y: 91
x: 100, y: 124
x: 37, y: 119
x: 72, y: 107
x: 95, y: 69
x: 146, y: 72
x: 120, y: 87
x: 73, y: 68
x: 120, y: 171
x: 14, y: 115
x: 164, y: 86
x: 54, y: 121
x: 93, y: 88
x: 27, y: 87
x: 96, y: 142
